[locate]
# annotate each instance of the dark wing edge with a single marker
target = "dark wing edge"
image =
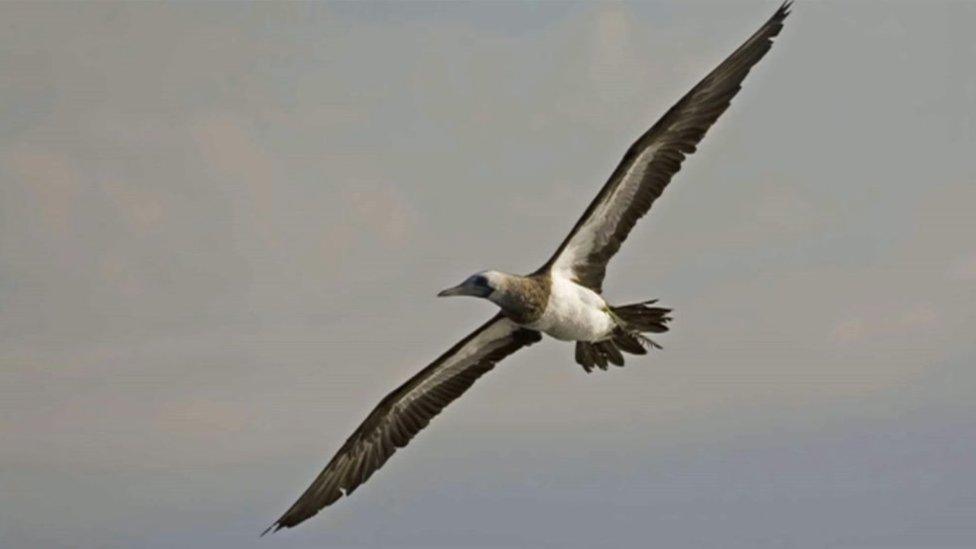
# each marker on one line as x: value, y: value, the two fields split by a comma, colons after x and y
x: 405, y: 411
x: 616, y: 208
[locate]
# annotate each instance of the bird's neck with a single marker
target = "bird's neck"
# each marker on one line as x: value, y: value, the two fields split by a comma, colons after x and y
x: 522, y: 298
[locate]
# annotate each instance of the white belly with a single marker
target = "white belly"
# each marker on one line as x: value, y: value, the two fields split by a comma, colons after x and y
x: 574, y: 313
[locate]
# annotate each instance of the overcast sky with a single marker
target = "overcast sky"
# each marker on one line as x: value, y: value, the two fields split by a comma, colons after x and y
x: 222, y: 227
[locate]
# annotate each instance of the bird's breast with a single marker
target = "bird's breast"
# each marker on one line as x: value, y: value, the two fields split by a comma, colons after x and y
x: 574, y: 313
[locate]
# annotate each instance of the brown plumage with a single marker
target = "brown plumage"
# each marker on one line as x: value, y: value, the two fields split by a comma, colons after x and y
x: 628, y: 343
x: 404, y: 412
x: 526, y: 303
x: 649, y: 164
x: 644, y: 172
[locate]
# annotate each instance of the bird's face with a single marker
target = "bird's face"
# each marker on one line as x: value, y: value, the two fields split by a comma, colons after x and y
x: 481, y: 284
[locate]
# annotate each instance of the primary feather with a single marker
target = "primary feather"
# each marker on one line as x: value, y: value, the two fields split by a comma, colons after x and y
x: 651, y: 162
x: 561, y: 299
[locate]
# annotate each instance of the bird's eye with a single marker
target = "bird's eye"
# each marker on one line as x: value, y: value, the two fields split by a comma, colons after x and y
x: 481, y: 281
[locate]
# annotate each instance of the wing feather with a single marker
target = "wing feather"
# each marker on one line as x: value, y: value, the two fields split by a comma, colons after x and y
x: 405, y: 411
x: 649, y: 164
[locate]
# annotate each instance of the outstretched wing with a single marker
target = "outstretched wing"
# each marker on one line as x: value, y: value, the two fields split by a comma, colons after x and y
x: 650, y: 163
x: 407, y: 410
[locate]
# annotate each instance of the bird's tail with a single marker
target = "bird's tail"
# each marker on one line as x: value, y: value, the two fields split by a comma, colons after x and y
x: 633, y: 321
x: 642, y: 317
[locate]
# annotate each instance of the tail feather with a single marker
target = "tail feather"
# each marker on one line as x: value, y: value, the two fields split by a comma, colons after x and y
x: 629, y: 343
x: 584, y: 356
x: 634, y: 321
x: 598, y: 356
x: 641, y: 317
x: 610, y: 350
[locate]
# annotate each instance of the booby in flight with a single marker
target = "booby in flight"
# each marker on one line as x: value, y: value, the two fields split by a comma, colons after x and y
x: 561, y: 299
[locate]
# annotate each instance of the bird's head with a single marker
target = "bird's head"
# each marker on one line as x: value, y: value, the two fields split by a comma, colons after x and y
x: 482, y: 284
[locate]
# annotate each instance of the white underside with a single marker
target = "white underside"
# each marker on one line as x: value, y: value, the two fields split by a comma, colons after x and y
x: 574, y: 313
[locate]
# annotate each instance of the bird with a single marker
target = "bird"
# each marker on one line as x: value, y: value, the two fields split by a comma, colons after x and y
x: 562, y: 299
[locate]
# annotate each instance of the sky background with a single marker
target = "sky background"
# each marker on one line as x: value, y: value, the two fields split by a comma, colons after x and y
x: 222, y: 227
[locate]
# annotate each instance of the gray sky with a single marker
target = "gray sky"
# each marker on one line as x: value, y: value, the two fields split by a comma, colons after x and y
x: 222, y: 227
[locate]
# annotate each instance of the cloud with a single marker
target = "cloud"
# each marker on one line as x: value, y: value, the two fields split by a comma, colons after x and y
x: 143, y: 208
x: 202, y: 415
x: 383, y: 209
x: 613, y: 66
x: 52, y: 181
x: 780, y: 208
x: 219, y: 249
x: 888, y: 322
x: 964, y: 268
x: 227, y: 143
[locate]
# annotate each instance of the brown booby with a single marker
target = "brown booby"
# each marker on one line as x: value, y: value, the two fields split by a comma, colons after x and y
x: 561, y: 299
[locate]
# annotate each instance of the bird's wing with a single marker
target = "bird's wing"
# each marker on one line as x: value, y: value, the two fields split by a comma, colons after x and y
x: 651, y: 162
x: 407, y: 410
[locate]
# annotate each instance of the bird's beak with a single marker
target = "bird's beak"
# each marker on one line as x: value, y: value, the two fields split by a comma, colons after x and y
x: 457, y: 290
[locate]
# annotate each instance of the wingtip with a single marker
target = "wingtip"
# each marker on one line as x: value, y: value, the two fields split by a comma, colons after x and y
x: 275, y: 526
x: 784, y: 10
